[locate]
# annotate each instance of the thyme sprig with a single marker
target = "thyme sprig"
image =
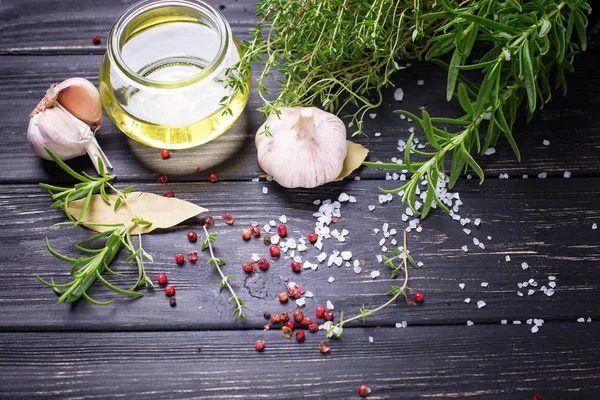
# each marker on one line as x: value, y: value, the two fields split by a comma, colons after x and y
x: 402, y: 266
x: 225, y: 279
x: 329, y: 52
x: 530, y: 41
x: 86, y: 270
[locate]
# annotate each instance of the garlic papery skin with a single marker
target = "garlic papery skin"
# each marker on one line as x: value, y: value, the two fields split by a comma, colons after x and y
x: 65, y: 121
x: 304, y: 147
x: 67, y: 137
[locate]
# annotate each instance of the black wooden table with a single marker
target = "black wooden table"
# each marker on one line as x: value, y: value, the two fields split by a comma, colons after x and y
x: 143, y: 348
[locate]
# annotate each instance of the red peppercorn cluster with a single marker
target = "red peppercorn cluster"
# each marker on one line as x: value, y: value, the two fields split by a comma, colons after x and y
x: 282, y: 230
x: 213, y: 178
x: 96, y: 40
x: 295, y: 292
x: 192, y: 236
x: 249, y: 266
x: 162, y: 179
x: 170, y: 193
x: 363, y: 390
x: 193, y: 257
x: 164, y: 154
x: 263, y: 264
x: 274, y: 251
x: 296, y: 267
x: 228, y: 218
x: 418, y: 297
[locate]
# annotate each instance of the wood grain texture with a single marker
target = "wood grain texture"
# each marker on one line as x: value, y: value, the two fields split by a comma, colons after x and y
x: 569, y: 123
x: 546, y: 223
x: 483, y: 361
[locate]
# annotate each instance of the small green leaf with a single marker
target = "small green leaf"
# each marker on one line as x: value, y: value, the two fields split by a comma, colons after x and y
x: 456, y: 61
x: 528, y: 76
x: 428, y: 128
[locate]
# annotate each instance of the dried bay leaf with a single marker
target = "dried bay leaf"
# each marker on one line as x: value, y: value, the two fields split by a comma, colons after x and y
x: 163, y: 212
x: 355, y: 156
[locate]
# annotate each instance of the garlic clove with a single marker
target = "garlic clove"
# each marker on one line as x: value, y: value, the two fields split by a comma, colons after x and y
x: 81, y: 98
x: 306, y: 147
x: 55, y: 129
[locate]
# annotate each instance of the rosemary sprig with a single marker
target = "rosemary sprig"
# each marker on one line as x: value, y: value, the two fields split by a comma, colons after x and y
x: 86, y: 270
x: 405, y: 258
x: 225, y: 279
x: 530, y: 40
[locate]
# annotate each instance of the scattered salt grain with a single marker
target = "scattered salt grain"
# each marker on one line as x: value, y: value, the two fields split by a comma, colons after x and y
x: 275, y: 239
x: 399, y: 94
x: 594, y: 226
x: 343, y: 197
x: 255, y: 179
x: 524, y: 265
x: 331, y: 279
x: 516, y: 322
x: 470, y: 323
x: 467, y: 300
x: 300, y: 302
x: 357, y: 269
x: 589, y: 319
x: 321, y: 257
x: 567, y: 174
x: 393, y: 232
x: 546, y: 142
x: 272, y: 223
x: 484, y: 284
x: 489, y: 238
x: 379, y: 258
x: 507, y: 258
x: 542, y: 175
x: 393, y: 242
x: 476, y: 241
x: 530, y: 292
x: 375, y: 274
x: 465, y: 249
x: 519, y: 293
x: 283, y: 219
x: 371, y: 208
x: 549, y: 292
x: 461, y: 285
x: 552, y: 284
x: 477, y: 221
x: 382, y: 242
x: 467, y: 231
x: 525, y: 176
x: 346, y: 255
x: 487, y: 116
x: 329, y: 305
x: 534, y: 329
x: 504, y: 322
x: 490, y: 151
x: 370, y: 339
x: 420, y: 82
x: 402, y: 116
x: 481, y: 304
x: 309, y: 294
x: 552, y: 278
x: 581, y: 319
x: 265, y: 190
x: 373, y: 115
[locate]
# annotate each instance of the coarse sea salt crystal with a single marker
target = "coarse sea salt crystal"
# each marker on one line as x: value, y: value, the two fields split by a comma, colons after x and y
x: 272, y: 223
x: 542, y: 175
x: 461, y: 285
x: 393, y: 232
x: 255, y: 179
x: 552, y: 278
x: 346, y: 255
x: 534, y: 329
x: 594, y: 226
x: 321, y: 257
x: 484, y: 284
x: 265, y: 190
x: 371, y: 207
x: 382, y: 242
x: 300, y: 302
x: 552, y: 284
x: 520, y: 294
x: 399, y: 94
x: 373, y: 115
x: 504, y: 322
x: 530, y: 292
x: 309, y: 294
x: 470, y: 323
x: 481, y: 304
x: 343, y: 197
x: 549, y: 292
x: 357, y: 269
x: 524, y: 265
x: 352, y: 199
x: 465, y: 249
x: 546, y: 142
x: 275, y: 239
x: 490, y: 151
x: 477, y: 221
x: 489, y: 238
x: 468, y: 300
x: 375, y: 274
x: 476, y: 241
x: 379, y: 258
x: 516, y: 322
x: 481, y: 245
x: 267, y: 228
x: 581, y: 319
x: 370, y: 339
x: 467, y: 231
x: 588, y: 319
x: 567, y: 174
x: 283, y: 219
x: 329, y: 305
x: 420, y: 82
x: 331, y: 279
x: 507, y: 258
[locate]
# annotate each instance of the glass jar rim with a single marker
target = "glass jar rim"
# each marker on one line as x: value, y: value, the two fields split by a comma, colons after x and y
x: 144, y: 6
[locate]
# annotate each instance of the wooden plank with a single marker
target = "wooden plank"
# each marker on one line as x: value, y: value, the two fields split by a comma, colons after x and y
x: 570, y: 124
x: 67, y: 27
x: 487, y: 361
x: 546, y: 223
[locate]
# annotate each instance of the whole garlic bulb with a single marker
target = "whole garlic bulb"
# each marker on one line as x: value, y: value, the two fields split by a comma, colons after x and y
x: 305, y: 147
x: 63, y: 122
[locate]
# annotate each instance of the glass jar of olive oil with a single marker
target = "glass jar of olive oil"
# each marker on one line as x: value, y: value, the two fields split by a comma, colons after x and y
x: 163, y: 80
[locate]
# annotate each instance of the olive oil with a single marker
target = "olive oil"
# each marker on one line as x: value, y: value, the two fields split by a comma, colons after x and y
x: 169, y: 90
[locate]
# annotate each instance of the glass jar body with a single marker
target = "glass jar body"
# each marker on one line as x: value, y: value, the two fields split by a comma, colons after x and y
x: 163, y: 80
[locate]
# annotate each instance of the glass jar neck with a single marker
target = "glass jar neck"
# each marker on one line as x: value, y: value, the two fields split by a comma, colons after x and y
x: 147, y: 14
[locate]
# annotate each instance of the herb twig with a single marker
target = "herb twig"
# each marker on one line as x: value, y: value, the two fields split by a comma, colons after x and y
x: 86, y: 270
x: 402, y: 255
x: 225, y: 279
